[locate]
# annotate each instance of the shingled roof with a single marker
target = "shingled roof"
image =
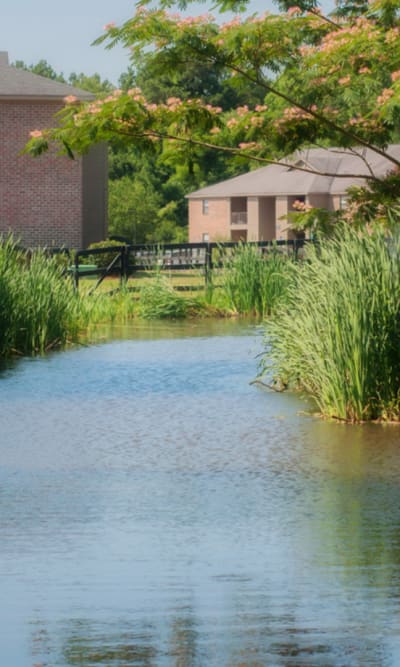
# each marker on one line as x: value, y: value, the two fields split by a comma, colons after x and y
x: 17, y: 83
x: 285, y: 179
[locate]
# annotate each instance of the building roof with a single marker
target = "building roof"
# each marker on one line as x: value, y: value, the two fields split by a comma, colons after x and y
x: 285, y: 179
x: 17, y: 83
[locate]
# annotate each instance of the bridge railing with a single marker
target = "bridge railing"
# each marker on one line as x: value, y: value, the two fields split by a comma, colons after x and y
x: 126, y: 260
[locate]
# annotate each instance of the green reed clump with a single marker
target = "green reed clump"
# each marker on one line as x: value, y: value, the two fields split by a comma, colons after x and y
x: 159, y: 300
x: 38, y: 306
x: 338, y: 337
x: 254, y: 282
x: 46, y: 306
x: 101, y: 307
x: 9, y: 266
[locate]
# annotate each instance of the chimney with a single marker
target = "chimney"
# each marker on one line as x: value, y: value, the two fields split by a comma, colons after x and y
x: 3, y: 58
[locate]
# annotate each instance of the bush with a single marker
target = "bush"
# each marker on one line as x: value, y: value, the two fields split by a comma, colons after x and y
x: 104, y: 259
x: 338, y: 337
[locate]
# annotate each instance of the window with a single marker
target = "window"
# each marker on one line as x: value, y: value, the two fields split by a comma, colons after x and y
x: 343, y: 202
x: 205, y: 206
x: 206, y: 237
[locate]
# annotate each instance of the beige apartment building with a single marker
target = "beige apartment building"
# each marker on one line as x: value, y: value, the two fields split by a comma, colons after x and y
x: 255, y: 206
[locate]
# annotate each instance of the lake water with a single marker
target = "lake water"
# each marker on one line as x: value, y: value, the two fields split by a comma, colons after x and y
x: 158, y: 510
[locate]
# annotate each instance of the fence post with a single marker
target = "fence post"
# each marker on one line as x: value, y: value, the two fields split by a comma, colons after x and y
x: 124, y: 265
x: 208, y: 265
x: 76, y: 270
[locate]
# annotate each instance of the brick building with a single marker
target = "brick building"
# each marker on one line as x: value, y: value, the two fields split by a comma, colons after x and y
x: 255, y: 206
x: 51, y: 200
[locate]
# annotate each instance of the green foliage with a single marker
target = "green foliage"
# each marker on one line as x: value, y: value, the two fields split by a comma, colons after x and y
x: 94, y: 83
x: 316, y: 222
x: 338, y: 337
x: 42, y: 68
x: 159, y: 300
x: 380, y: 202
x: 38, y: 307
x: 255, y: 282
x: 104, y: 259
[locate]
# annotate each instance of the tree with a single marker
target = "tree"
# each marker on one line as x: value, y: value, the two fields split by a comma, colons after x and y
x: 328, y: 80
x: 93, y: 83
x: 42, y: 68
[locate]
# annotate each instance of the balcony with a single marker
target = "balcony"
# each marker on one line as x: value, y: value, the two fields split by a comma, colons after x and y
x: 239, y: 218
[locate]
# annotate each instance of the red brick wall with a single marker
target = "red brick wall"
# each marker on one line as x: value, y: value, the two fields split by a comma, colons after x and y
x: 215, y: 223
x: 40, y: 198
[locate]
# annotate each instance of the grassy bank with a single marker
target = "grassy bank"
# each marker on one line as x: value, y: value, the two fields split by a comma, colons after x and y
x: 338, y: 337
x: 39, y: 307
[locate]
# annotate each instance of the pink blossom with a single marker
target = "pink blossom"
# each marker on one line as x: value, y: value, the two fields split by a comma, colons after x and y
x: 364, y: 70
x: 36, y: 134
x: 344, y: 80
x: 108, y: 26
x: 385, y: 96
x: 172, y: 101
x: 395, y: 75
x: 247, y: 144
x: 293, y: 11
x: 215, y: 130
x: 70, y: 99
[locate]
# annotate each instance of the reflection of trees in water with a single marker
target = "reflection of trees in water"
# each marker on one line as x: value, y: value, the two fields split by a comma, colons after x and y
x: 183, y: 643
x: 256, y: 642
x: 83, y: 643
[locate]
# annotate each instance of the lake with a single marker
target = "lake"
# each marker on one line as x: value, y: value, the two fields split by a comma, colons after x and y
x: 159, y: 510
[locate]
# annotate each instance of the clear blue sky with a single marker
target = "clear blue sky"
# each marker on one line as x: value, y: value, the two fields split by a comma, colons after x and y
x: 62, y: 33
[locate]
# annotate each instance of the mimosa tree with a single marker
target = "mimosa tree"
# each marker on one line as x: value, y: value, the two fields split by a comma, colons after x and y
x: 329, y: 80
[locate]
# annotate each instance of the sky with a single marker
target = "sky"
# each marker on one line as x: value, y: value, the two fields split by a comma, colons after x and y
x: 62, y: 33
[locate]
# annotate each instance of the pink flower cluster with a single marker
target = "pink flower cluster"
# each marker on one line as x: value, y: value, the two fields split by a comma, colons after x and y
x: 294, y: 11
x: 387, y: 93
x: 36, y: 134
x: 301, y: 206
x: 231, y: 24
x: 395, y: 75
x: 70, y: 99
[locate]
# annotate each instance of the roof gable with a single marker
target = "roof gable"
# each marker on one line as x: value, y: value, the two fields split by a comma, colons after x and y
x: 285, y: 179
x: 17, y: 83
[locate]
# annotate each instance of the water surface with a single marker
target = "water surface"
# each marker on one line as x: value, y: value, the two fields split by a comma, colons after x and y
x: 156, y: 509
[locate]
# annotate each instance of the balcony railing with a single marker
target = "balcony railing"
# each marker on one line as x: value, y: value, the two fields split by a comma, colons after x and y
x: 239, y: 218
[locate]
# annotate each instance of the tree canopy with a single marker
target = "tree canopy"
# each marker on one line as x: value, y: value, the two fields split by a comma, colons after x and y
x: 301, y: 78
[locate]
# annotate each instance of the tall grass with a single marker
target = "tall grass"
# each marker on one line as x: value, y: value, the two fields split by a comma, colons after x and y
x: 255, y: 283
x: 338, y: 337
x: 159, y: 300
x: 38, y: 307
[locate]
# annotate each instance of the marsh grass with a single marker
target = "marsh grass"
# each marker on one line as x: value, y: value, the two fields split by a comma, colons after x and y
x: 338, y: 337
x: 254, y: 283
x: 38, y: 307
x: 159, y: 300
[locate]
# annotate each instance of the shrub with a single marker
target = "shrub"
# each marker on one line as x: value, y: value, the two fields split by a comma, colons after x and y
x: 104, y: 259
x: 338, y: 337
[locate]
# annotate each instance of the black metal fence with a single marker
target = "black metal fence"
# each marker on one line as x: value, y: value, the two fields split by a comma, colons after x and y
x: 127, y: 260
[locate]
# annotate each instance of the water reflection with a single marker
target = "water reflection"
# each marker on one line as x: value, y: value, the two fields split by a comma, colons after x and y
x: 156, y: 509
